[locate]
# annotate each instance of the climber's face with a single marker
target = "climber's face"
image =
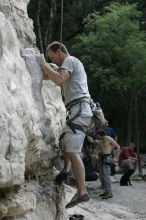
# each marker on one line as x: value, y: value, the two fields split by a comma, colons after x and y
x: 55, y: 57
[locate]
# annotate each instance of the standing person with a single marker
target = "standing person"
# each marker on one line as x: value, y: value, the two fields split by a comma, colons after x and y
x: 106, y: 145
x: 127, y: 163
x: 72, y: 77
x: 90, y: 161
x: 110, y: 131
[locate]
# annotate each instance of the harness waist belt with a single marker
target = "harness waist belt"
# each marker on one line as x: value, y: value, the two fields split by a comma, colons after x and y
x: 76, y: 101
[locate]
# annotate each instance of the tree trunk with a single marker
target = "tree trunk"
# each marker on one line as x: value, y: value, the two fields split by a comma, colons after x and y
x: 129, y: 120
x: 61, y: 22
x: 40, y: 42
x: 51, y: 14
x: 137, y: 133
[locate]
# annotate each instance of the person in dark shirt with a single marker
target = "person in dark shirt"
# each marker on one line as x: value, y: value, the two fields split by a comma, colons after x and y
x: 110, y: 131
x: 89, y: 160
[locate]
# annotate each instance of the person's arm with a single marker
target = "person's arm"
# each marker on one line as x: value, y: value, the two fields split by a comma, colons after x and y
x: 58, y: 77
x: 92, y: 141
x: 114, y: 144
x: 131, y: 155
x: 132, y: 158
x: 45, y: 76
x: 116, y: 148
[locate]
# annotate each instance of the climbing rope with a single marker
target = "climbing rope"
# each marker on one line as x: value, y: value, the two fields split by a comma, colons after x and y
x: 61, y: 25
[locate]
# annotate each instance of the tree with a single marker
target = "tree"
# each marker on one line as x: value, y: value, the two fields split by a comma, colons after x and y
x: 46, y: 15
x: 114, y: 53
x: 43, y: 14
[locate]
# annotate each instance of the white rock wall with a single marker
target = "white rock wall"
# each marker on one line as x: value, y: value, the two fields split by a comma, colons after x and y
x: 16, y: 12
x: 31, y: 119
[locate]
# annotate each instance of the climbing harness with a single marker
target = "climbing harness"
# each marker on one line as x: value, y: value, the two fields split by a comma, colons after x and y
x: 69, y: 121
x: 98, y: 116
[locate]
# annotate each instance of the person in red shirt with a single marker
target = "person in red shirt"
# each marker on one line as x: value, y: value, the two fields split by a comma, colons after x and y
x: 127, y: 157
x: 127, y: 163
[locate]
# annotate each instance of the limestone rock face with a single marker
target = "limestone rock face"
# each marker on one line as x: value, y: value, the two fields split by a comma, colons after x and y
x: 32, y: 114
x: 17, y: 204
x: 16, y: 12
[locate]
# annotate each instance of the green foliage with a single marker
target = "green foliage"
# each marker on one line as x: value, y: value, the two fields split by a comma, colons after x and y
x: 113, y: 47
x: 114, y: 55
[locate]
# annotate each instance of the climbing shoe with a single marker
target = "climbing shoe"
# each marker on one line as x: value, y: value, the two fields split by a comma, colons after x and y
x: 102, y: 194
x: 77, y: 199
x: 107, y: 195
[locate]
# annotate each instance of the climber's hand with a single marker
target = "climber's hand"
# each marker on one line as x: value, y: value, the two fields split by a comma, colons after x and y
x: 41, y: 59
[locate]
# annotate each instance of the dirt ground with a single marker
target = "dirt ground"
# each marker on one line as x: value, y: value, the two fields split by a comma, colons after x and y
x: 128, y: 202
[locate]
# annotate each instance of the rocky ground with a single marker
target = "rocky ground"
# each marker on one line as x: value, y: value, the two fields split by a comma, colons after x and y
x: 128, y: 202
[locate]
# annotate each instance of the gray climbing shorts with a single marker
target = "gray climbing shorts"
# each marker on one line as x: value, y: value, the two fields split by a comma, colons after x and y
x: 73, y: 141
